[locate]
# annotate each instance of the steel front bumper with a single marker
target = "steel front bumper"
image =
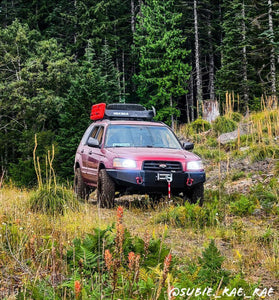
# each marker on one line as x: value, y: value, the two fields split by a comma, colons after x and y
x: 155, y: 181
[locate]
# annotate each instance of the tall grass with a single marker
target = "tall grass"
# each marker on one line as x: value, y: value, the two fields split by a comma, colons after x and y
x: 50, y: 198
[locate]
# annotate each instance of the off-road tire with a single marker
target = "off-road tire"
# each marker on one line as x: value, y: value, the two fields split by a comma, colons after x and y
x: 81, y: 189
x: 195, y: 194
x: 106, y: 190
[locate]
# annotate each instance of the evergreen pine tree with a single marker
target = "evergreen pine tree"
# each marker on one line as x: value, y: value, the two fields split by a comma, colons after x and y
x: 162, y: 68
x: 236, y: 73
x: 95, y: 82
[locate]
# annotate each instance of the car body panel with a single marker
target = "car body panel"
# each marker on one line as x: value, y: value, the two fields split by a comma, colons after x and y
x: 92, y: 159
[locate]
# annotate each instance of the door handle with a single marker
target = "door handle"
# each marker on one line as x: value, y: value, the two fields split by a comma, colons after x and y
x: 82, y: 150
x: 90, y: 152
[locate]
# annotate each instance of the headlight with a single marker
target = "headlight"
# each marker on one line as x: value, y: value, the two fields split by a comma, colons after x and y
x: 124, y: 163
x: 195, y: 165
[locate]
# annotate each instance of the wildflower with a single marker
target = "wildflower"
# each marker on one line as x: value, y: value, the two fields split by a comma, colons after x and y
x: 131, y: 259
x: 119, y: 237
x: 120, y: 214
x: 116, y: 266
x: 167, y: 263
x: 77, y: 289
x: 108, y: 259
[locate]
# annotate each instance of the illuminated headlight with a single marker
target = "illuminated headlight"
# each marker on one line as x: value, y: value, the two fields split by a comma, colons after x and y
x: 124, y: 163
x: 195, y: 165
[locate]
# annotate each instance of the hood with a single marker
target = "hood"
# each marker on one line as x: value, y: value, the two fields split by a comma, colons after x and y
x: 140, y: 154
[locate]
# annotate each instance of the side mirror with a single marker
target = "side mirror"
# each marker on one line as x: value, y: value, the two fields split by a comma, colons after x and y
x: 93, y: 142
x: 188, y: 146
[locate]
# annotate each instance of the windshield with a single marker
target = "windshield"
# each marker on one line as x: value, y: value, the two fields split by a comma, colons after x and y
x: 140, y: 136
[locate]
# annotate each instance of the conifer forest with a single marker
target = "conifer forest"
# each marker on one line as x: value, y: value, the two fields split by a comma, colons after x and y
x: 57, y: 58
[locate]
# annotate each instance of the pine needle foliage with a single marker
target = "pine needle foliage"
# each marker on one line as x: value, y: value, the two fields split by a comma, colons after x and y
x: 161, y: 47
x: 211, y: 270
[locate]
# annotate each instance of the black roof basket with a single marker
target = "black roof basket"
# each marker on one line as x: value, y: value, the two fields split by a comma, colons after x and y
x: 125, y: 106
x: 128, y: 111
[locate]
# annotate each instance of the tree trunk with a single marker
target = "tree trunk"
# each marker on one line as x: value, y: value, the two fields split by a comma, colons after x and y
x: 172, y: 120
x: 191, y: 103
x: 272, y: 51
x: 211, y: 63
x: 191, y: 98
x: 244, y: 61
x: 119, y: 80
x: 187, y: 109
x: 133, y: 17
x: 123, y: 78
x: 197, y: 61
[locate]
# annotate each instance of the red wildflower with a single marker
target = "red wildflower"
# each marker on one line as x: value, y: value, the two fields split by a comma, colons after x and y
x: 108, y: 259
x: 77, y: 289
x: 120, y: 214
x: 167, y: 263
x: 131, y: 259
x: 119, y: 237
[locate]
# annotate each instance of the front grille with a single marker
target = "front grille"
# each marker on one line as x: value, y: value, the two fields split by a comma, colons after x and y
x: 158, y: 165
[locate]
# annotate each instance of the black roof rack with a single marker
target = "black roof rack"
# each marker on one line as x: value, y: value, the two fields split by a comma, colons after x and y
x: 125, y: 106
x: 128, y: 111
x: 121, y: 111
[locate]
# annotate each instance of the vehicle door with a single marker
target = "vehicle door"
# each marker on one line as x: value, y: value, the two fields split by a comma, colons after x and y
x: 85, y: 152
x: 94, y: 156
x: 82, y: 151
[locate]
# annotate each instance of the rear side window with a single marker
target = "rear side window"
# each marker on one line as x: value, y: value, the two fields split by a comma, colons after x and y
x: 85, y: 136
x: 99, y: 134
x: 94, y: 131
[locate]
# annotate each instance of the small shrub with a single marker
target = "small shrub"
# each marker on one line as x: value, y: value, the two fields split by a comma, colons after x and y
x: 211, y: 270
x: 53, y: 200
x: 191, y: 215
x: 207, y: 153
x: 243, y: 206
x: 22, y: 173
x: 212, y: 142
x: 239, y: 231
x: 262, y: 151
x: 238, y: 175
x: 267, y: 237
x: 276, y: 169
x: 200, y: 125
x: 223, y: 124
x: 235, y: 116
x: 267, y: 195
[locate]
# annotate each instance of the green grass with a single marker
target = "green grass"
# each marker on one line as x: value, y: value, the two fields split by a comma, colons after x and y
x: 53, y: 200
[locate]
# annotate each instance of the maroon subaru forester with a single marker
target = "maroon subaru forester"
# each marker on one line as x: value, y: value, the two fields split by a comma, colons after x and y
x: 125, y: 151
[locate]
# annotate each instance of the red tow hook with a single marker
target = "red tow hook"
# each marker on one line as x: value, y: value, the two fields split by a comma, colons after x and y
x: 139, y: 180
x: 169, y: 189
x: 189, y: 181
